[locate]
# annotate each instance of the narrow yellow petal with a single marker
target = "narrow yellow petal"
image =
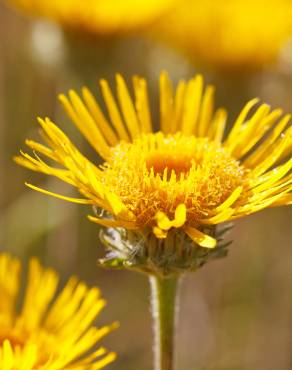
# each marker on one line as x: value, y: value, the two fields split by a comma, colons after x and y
x: 254, y: 133
x: 118, y: 207
x: 41, y: 149
x: 192, y: 106
x: 223, y: 216
x: 273, y: 176
x: 275, y: 153
x: 159, y: 233
x: 200, y: 238
x: 29, y: 357
x: 242, y: 137
x: 180, y: 216
x: 258, y: 155
x: 99, y: 117
x: 127, y: 107
x: 217, y: 126
x: 178, y: 106
x: 113, y: 111
x: 113, y: 223
x: 8, y: 357
x: 142, y: 104
x: 239, y: 121
x: 54, y: 134
x: 85, y: 123
x: 230, y: 200
x: 166, y: 103
x: 69, y: 199
x: 279, y: 188
x: 163, y: 221
x: 206, y: 111
x: 286, y: 199
x: 259, y: 205
x: 109, y: 358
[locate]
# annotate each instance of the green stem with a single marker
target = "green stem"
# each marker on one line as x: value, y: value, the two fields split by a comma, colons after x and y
x: 164, y: 312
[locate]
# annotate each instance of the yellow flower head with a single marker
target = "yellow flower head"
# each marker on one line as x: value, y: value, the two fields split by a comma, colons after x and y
x: 96, y: 16
x: 229, y: 34
x: 187, y: 176
x: 48, y: 333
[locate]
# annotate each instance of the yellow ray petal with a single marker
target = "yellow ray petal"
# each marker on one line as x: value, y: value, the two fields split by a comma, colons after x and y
x: 206, y: 111
x: 36, y: 164
x: 217, y: 126
x: 53, y: 133
x: 223, y: 216
x: 8, y: 357
x: 113, y: 111
x: 274, y: 155
x: 113, y: 223
x: 178, y: 106
x: 118, y: 207
x: 239, y: 121
x: 164, y: 223
x: 69, y: 199
x: 142, y: 104
x: 192, y: 105
x: 200, y: 238
x: 278, y: 188
x: 272, y: 177
x: 180, y: 216
x: 159, y: 233
x: 241, y: 139
x: 286, y: 199
x: 37, y: 298
x: 257, y: 155
x: 99, y: 117
x: 109, y: 358
x: 230, y: 200
x: 127, y: 107
x: 41, y: 149
x: 84, y: 122
x: 166, y: 103
x: 258, y: 205
x: 255, y: 132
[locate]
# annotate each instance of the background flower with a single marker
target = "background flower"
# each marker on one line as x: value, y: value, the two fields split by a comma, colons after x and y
x: 230, y: 34
x: 97, y: 17
x: 50, y: 331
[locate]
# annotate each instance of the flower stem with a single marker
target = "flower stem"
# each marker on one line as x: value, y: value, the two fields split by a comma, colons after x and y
x: 164, y: 311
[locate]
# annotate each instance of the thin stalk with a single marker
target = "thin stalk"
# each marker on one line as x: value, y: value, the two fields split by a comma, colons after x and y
x: 164, y: 312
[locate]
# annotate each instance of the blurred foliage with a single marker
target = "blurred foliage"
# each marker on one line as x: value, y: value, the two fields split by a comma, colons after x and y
x: 236, y: 312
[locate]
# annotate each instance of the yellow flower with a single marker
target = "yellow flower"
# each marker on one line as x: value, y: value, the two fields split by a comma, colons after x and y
x: 48, y: 333
x: 229, y: 34
x: 96, y: 16
x: 186, y: 176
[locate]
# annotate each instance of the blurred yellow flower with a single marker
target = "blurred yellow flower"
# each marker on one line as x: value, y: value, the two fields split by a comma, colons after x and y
x: 96, y: 16
x: 186, y: 176
x: 229, y: 34
x: 48, y: 333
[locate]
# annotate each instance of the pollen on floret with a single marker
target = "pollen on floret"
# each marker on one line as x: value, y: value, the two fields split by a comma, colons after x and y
x: 157, y: 173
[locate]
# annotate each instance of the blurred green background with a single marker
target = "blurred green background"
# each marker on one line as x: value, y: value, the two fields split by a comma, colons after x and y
x: 235, y: 313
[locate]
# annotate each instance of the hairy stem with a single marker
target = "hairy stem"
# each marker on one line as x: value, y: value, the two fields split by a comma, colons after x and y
x: 164, y: 312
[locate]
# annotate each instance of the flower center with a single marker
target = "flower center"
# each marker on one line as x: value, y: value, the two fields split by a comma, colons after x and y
x: 18, y: 343
x: 158, y: 172
x: 14, y: 340
x: 162, y: 160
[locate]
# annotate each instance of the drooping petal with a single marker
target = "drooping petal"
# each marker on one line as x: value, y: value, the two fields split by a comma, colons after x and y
x: 200, y: 238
